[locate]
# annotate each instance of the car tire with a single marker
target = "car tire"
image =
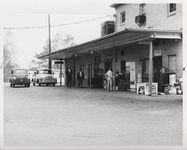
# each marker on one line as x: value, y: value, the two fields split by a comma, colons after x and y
x: 39, y: 84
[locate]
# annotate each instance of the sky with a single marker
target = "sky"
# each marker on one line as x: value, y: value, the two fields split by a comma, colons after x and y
x: 26, y: 13
x: 28, y: 42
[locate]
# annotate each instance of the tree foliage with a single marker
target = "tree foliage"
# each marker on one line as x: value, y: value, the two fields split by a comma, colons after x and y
x: 68, y: 41
x: 8, y: 55
x: 57, y: 43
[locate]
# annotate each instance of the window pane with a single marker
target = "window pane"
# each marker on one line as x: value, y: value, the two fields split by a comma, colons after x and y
x: 122, y: 17
x: 142, y: 9
x: 172, y: 7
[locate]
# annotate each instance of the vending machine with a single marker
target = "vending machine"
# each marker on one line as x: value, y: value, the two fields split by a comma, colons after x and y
x: 135, y: 70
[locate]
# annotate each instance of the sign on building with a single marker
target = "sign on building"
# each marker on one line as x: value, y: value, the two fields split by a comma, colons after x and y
x: 158, y: 53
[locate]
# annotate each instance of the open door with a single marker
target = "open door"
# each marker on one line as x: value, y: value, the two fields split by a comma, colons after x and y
x: 157, y: 65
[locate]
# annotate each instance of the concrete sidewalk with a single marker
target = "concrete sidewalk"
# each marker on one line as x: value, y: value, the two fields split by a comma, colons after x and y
x: 128, y: 94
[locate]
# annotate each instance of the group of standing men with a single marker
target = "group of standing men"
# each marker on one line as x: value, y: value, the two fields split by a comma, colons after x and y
x: 80, y: 77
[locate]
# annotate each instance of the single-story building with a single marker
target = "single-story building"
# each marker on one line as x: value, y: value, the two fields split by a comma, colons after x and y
x: 146, y: 55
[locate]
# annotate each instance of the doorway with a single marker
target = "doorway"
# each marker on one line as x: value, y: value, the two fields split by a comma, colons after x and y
x: 157, y: 65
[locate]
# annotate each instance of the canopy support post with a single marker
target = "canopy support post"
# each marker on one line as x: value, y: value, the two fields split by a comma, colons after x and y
x: 150, y: 66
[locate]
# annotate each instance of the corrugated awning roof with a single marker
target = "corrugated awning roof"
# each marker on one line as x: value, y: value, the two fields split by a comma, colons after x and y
x: 125, y: 37
x: 117, y: 4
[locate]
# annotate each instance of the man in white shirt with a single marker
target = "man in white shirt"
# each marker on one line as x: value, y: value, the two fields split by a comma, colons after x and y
x: 109, y: 77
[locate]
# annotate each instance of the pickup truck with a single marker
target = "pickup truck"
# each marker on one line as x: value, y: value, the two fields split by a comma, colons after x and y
x: 44, y: 76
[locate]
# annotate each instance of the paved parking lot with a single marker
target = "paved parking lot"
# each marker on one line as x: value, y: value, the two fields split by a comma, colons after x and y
x: 57, y: 116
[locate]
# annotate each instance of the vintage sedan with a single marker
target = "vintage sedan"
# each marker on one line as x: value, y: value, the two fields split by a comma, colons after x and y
x: 44, y: 76
x: 19, y: 77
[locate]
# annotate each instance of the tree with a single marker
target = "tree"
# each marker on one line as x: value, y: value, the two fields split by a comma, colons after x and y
x: 8, y: 55
x: 56, y: 44
x: 68, y: 41
x: 38, y: 63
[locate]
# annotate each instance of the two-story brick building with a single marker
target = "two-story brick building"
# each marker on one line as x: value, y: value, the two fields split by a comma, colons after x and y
x: 147, y: 40
x: 160, y: 16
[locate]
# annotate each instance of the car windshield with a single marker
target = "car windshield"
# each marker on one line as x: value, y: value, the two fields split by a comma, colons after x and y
x: 44, y: 71
x: 20, y: 71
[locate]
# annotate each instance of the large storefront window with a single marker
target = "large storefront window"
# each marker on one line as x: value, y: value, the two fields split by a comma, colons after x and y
x: 172, y: 63
x: 123, y: 66
x: 145, y: 69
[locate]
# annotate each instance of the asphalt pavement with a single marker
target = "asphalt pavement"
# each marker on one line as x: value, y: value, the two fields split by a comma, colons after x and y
x: 58, y: 116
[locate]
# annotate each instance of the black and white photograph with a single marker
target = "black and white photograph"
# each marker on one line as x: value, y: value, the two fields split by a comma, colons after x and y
x: 92, y: 74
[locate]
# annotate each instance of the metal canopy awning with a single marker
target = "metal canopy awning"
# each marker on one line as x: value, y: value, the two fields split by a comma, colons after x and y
x: 125, y: 37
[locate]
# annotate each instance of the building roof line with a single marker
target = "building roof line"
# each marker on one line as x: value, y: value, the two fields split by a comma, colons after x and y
x: 117, y: 4
x: 127, y: 30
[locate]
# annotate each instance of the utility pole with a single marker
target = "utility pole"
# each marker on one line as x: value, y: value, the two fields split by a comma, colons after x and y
x: 49, y: 27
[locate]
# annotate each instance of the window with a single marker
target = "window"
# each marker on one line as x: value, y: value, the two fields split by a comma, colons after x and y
x: 171, y: 9
x: 122, y: 17
x: 122, y: 53
x: 142, y: 10
x: 147, y: 66
x: 145, y: 70
x: 172, y: 63
x: 98, y: 59
x: 20, y: 71
x: 123, y: 66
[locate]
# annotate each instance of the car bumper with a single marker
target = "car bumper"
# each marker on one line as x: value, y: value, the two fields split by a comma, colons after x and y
x: 47, y: 81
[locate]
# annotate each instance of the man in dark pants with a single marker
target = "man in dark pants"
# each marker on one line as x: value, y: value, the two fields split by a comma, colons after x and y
x: 80, y: 77
x: 69, y: 76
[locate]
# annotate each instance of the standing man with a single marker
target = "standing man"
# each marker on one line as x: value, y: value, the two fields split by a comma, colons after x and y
x: 109, y: 76
x: 80, y: 77
x: 69, y: 73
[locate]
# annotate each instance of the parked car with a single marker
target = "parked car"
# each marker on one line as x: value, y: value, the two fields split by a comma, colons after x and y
x: 44, y: 76
x: 19, y: 77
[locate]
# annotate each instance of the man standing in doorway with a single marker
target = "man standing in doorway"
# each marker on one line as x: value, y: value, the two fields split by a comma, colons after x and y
x: 109, y: 76
x: 80, y: 77
x: 69, y: 76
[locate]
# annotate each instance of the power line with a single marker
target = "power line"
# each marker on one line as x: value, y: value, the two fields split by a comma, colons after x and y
x: 59, y: 25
